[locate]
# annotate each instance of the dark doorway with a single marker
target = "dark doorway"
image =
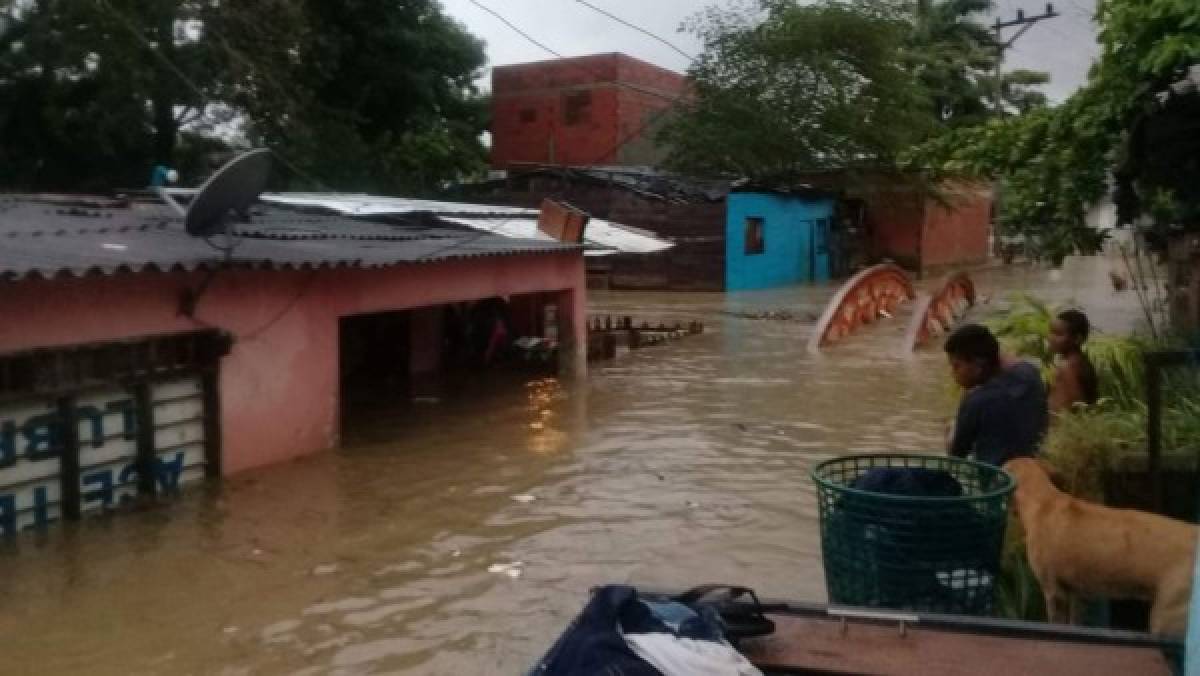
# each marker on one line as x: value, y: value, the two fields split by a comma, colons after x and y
x: 396, y: 365
x: 375, y: 357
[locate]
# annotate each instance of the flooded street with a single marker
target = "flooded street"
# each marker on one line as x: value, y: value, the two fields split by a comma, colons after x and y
x: 460, y: 537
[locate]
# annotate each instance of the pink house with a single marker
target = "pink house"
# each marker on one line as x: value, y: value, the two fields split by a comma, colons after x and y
x: 134, y: 357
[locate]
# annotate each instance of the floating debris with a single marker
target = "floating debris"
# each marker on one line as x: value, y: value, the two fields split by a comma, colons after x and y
x: 274, y: 632
x: 606, y: 333
x: 325, y: 569
x: 513, y: 570
x: 524, y: 499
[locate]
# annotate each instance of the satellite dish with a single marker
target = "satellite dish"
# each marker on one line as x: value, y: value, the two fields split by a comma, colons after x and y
x: 233, y: 188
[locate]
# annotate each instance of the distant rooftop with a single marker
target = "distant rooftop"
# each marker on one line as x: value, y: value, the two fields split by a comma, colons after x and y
x: 577, y: 61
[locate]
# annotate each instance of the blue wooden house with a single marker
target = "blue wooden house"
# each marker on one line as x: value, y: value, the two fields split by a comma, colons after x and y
x: 776, y: 239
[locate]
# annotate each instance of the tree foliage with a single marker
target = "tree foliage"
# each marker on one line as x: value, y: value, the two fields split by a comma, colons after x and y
x: 1153, y: 49
x: 954, y: 56
x: 807, y: 87
x: 361, y: 94
x: 394, y: 105
x: 1053, y: 163
x: 783, y: 87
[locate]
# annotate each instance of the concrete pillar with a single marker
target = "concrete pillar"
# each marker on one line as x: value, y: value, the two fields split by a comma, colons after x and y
x: 572, y: 332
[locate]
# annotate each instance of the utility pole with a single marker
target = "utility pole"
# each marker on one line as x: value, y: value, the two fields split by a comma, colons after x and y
x: 1025, y: 22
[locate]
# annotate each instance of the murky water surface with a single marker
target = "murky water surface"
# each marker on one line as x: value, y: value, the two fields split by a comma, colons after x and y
x: 460, y: 537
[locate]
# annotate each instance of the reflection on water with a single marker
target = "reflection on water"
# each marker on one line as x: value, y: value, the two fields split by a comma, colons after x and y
x: 461, y: 536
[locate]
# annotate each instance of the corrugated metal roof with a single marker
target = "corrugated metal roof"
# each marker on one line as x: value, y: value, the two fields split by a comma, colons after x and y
x: 49, y: 237
x: 355, y: 204
x: 506, y: 221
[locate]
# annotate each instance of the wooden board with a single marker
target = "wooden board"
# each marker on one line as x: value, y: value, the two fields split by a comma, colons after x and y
x: 807, y: 644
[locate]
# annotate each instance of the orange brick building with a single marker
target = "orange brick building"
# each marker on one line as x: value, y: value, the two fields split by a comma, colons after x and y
x: 585, y: 111
x: 900, y: 221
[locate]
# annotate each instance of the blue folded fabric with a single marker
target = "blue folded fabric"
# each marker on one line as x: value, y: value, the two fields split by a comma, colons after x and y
x: 595, y: 641
x: 593, y: 644
x: 682, y: 621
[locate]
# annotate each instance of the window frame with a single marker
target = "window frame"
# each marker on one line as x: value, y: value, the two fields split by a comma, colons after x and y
x: 577, y: 108
x: 754, y: 236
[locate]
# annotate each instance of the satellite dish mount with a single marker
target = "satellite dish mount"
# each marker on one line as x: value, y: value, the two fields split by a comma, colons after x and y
x: 228, y: 195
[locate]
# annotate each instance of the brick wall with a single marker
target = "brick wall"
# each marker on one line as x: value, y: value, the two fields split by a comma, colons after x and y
x: 915, y: 231
x: 894, y: 219
x: 957, y: 233
x: 592, y: 110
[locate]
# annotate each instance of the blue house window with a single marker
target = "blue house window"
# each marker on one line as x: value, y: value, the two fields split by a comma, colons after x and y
x: 755, y: 243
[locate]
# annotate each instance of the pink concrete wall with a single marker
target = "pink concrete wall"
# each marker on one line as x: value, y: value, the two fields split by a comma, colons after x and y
x: 279, y: 386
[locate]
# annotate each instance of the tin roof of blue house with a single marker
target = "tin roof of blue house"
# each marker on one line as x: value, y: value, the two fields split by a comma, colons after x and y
x: 48, y: 236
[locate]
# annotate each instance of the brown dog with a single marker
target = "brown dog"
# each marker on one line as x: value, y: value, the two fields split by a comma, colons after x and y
x: 1078, y: 548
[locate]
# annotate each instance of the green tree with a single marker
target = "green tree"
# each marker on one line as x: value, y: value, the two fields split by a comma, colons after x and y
x: 1053, y: 163
x: 64, y: 120
x: 783, y: 87
x: 359, y: 95
x: 1152, y: 56
x: 949, y: 50
x: 806, y: 87
x: 92, y: 94
x: 393, y: 101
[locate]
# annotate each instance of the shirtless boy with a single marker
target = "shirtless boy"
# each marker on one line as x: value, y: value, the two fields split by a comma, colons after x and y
x: 1074, y: 378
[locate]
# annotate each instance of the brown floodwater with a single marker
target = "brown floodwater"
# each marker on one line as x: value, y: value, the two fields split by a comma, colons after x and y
x: 460, y: 537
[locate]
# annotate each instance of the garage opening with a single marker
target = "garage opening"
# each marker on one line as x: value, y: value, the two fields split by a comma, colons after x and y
x: 398, y: 363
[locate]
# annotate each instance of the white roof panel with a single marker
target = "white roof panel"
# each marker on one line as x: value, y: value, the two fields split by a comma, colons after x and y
x: 507, y: 221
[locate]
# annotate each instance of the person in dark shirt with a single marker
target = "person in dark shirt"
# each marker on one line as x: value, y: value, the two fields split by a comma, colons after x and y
x: 1003, y: 413
x: 1075, y: 377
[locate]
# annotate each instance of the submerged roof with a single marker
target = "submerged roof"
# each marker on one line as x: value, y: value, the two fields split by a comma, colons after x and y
x: 47, y: 236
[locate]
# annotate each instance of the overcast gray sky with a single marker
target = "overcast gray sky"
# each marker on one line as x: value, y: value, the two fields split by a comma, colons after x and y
x: 1064, y: 46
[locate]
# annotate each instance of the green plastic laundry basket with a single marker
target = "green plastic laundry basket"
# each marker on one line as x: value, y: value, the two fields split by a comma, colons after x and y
x: 931, y: 554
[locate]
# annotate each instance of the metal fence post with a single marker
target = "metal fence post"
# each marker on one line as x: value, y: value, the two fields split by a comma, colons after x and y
x: 146, y: 460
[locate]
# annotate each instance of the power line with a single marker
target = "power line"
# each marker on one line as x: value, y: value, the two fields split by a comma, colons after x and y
x: 637, y: 28
x: 593, y: 73
x: 514, y: 27
x: 1025, y: 23
x: 622, y: 142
